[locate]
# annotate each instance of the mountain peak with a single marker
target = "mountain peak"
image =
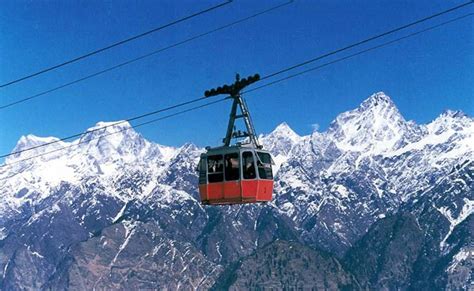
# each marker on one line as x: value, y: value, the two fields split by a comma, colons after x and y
x: 450, y: 120
x: 282, y: 126
x: 189, y: 147
x: 379, y: 99
x: 30, y: 141
x: 283, y: 129
x: 376, y: 125
x: 453, y: 114
x: 110, y: 126
x: 33, y: 140
x: 107, y: 129
x: 280, y: 142
x: 109, y: 138
x: 35, y: 143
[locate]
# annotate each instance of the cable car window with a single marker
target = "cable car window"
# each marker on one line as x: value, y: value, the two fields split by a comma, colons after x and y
x: 231, y: 167
x: 202, y: 171
x: 215, y: 169
x: 248, y: 165
x: 264, y: 165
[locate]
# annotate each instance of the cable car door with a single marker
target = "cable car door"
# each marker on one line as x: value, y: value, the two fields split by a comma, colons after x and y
x: 249, y: 176
x: 265, y: 175
x: 232, y: 189
x: 215, y: 177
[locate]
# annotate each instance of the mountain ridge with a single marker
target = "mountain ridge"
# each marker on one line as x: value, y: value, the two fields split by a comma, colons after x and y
x: 330, y: 188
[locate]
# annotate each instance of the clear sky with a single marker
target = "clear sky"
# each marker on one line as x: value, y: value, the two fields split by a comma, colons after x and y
x: 424, y: 75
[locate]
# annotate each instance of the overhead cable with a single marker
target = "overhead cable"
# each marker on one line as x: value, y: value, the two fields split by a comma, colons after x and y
x: 114, y: 132
x: 256, y: 88
x: 89, y: 54
x: 366, y: 40
x: 358, y: 53
x: 133, y: 60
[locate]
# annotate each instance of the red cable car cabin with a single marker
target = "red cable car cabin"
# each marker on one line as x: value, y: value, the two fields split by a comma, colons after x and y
x: 234, y: 175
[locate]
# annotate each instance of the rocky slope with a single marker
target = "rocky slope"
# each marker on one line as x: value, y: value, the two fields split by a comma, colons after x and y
x: 115, y: 210
x: 287, y: 265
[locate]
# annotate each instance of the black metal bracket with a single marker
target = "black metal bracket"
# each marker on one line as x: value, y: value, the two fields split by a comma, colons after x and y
x: 234, y: 91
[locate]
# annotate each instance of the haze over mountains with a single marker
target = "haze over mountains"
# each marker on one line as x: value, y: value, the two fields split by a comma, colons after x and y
x: 373, y: 202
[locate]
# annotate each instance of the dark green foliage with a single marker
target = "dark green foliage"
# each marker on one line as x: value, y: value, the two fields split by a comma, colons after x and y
x: 284, y: 265
x: 384, y: 257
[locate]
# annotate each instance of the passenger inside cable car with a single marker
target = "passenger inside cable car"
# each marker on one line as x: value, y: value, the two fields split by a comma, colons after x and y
x: 235, y: 175
x: 249, y: 170
x: 231, y: 167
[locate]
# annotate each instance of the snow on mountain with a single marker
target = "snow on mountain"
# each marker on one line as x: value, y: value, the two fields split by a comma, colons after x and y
x: 376, y: 126
x: 280, y: 142
x: 371, y: 145
x: 450, y: 127
x: 107, y: 154
x: 444, y: 143
x: 30, y: 141
x: 36, y: 142
x: 330, y: 187
x: 335, y: 184
x: 118, y: 140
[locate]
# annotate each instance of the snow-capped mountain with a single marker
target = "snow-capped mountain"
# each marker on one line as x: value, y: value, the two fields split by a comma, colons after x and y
x: 112, y: 209
x: 280, y: 142
x: 376, y: 126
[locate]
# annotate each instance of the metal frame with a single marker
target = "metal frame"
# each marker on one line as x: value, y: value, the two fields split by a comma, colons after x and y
x: 238, y: 102
x: 231, y: 133
x: 252, y: 146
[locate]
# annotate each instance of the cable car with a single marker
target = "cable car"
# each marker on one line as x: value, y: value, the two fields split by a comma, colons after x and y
x: 239, y: 173
x: 235, y: 174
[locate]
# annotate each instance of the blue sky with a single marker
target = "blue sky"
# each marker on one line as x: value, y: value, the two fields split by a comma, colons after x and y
x: 424, y: 75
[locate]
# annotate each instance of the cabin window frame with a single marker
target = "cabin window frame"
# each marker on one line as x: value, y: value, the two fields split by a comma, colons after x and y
x: 264, y: 166
x: 202, y: 167
x: 244, y: 164
x: 221, y: 173
x: 238, y: 167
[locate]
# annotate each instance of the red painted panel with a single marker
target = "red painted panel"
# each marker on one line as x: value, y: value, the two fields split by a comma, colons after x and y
x: 203, y: 192
x: 215, y: 191
x: 232, y: 189
x: 265, y: 190
x: 249, y: 188
x: 230, y: 192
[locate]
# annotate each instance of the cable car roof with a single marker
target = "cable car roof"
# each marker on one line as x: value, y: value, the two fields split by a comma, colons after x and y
x: 232, y: 149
